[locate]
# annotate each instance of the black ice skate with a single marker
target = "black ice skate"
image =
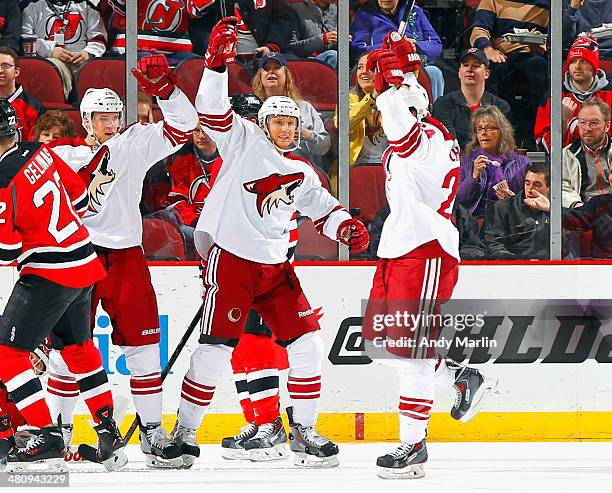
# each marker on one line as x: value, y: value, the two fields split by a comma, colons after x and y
x: 6, y: 444
x: 471, y: 390
x: 311, y: 449
x: 405, y: 462
x: 160, y: 452
x: 110, y: 451
x: 44, y: 452
x: 232, y: 448
x: 186, y: 439
x: 268, y: 443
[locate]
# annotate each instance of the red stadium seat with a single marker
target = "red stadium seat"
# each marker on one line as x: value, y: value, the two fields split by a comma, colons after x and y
x: 42, y: 79
x: 102, y: 72
x: 313, y: 246
x: 367, y: 190
x: 605, y: 65
x: 161, y: 240
x: 317, y: 82
x: 189, y: 73
x: 75, y: 116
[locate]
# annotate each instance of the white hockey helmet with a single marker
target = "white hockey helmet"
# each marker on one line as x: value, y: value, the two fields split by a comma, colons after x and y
x: 280, y: 106
x: 415, y: 95
x: 100, y: 101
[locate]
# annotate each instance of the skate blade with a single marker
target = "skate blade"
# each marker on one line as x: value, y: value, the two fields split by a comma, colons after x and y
x: 155, y: 462
x: 47, y: 466
x: 115, y: 461
x: 302, y: 459
x: 480, y: 397
x: 415, y: 471
x: 234, y: 454
x: 277, y: 452
x: 188, y: 461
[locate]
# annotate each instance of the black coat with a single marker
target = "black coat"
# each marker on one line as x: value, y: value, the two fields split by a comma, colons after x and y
x: 10, y: 33
x: 595, y: 216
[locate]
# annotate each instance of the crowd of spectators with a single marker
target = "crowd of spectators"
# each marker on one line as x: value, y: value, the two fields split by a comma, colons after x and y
x: 488, y: 85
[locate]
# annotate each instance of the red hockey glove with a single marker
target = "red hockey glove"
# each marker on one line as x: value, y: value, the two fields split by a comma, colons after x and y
x: 2, y: 23
x: 354, y: 234
x: 404, y: 50
x: 222, y: 43
x: 386, y: 68
x: 154, y: 76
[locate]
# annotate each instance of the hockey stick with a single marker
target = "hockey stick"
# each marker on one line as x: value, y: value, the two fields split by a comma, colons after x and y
x: 87, y: 451
x: 404, y: 22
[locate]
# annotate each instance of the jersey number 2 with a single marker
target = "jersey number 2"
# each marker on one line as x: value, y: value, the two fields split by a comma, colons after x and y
x: 52, y: 187
x: 2, y: 211
x: 451, y: 183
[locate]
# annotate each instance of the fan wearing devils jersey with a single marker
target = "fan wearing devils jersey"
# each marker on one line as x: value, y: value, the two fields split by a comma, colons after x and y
x: 41, y: 200
x: 419, y: 257
x: 114, y: 164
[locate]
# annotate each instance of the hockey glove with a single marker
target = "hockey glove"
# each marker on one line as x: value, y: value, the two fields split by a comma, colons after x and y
x: 387, y: 69
x: 404, y: 50
x: 154, y: 76
x: 196, y: 8
x: 222, y: 44
x: 354, y: 234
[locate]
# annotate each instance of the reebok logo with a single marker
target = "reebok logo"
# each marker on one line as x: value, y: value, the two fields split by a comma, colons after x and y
x: 13, y: 334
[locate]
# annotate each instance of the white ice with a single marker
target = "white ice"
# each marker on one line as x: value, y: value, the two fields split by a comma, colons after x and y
x: 562, y: 467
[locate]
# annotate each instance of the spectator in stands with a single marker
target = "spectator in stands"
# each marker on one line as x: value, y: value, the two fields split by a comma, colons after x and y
x: 53, y: 125
x: 373, y: 21
x: 69, y: 33
x: 493, y: 19
x: 581, y: 16
x: 583, y: 79
x: 455, y: 109
x: 10, y: 24
x: 27, y: 107
x: 490, y: 168
x: 317, y: 32
x: 274, y: 79
x: 519, y: 227
x: 588, y: 161
x: 145, y: 108
x: 260, y: 30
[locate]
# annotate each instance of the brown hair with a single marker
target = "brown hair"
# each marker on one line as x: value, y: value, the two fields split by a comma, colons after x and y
x: 5, y: 50
x: 374, y: 119
x: 507, y: 144
x: 599, y: 103
x: 291, y: 89
x: 54, y: 119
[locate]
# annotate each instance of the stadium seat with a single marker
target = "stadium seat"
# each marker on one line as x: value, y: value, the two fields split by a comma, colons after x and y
x: 605, y: 65
x: 189, y: 73
x: 42, y: 79
x: 75, y: 116
x: 317, y: 83
x: 102, y: 72
x: 367, y: 190
x: 313, y: 246
x: 162, y: 240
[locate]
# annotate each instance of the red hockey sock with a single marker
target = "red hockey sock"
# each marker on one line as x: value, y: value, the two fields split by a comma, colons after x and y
x: 24, y: 386
x: 241, y: 383
x: 85, y: 362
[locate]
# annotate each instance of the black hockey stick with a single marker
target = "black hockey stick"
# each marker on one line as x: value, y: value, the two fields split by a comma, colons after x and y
x: 404, y: 22
x: 87, y: 451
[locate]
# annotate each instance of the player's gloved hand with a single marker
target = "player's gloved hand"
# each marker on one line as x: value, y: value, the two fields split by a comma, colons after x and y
x: 154, y: 76
x: 387, y: 69
x: 354, y: 234
x: 222, y: 43
x: 404, y: 50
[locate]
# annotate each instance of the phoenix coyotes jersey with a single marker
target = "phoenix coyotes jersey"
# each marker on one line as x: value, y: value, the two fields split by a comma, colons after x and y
x: 40, y: 202
x: 250, y: 211
x: 422, y: 170
x: 114, y: 171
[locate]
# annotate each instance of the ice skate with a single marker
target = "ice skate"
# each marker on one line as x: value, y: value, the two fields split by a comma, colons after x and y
x: 44, y: 452
x: 311, y: 449
x: 232, y: 448
x: 471, y: 391
x: 186, y: 439
x: 67, y: 432
x: 159, y: 450
x: 6, y: 444
x: 110, y: 451
x: 405, y: 462
x: 268, y: 443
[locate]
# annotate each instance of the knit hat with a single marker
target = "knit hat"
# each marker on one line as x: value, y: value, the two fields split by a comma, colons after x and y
x: 586, y: 47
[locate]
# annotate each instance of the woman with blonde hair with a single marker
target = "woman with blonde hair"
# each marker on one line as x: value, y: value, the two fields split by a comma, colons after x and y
x: 273, y: 78
x: 491, y: 169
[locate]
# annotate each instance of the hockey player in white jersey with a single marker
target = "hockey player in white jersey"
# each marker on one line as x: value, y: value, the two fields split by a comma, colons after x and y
x: 113, y: 164
x: 248, y: 218
x: 419, y: 255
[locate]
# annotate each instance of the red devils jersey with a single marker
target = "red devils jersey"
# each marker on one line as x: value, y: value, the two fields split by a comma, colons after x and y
x: 28, y: 109
x: 40, y: 227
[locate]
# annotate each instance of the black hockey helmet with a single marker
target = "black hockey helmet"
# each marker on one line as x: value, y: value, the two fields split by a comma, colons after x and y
x: 8, y: 119
x: 246, y: 105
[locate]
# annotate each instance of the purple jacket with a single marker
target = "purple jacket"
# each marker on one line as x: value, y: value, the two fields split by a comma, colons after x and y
x: 370, y: 25
x: 475, y: 195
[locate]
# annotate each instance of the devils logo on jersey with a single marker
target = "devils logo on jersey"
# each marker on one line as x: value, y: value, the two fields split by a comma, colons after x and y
x: 274, y: 189
x: 70, y: 25
x: 164, y: 15
x: 95, y: 175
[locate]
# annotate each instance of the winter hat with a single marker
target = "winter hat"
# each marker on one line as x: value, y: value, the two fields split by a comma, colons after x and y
x: 585, y: 46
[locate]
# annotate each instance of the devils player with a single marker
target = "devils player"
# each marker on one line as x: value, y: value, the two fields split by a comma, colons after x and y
x: 248, y: 216
x: 114, y: 164
x: 41, y: 200
x: 418, y: 251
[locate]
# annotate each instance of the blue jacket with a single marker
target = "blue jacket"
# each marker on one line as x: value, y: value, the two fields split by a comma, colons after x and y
x: 370, y: 25
x: 593, y: 13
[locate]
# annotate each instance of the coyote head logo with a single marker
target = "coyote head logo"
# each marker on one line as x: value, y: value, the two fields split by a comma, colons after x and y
x: 274, y: 189
x: 95, y: 175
